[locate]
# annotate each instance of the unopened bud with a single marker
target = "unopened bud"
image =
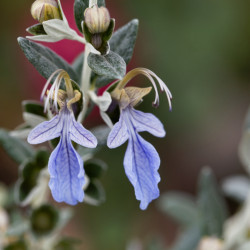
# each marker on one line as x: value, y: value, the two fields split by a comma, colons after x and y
x: 44, y: 10
x: 97, y: 19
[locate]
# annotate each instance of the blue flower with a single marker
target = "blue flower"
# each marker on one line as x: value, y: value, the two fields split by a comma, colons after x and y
x: 141, y: 161
x: 65, y: 164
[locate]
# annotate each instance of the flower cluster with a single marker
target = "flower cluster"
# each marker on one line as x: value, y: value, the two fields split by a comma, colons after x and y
x: 74, y: 91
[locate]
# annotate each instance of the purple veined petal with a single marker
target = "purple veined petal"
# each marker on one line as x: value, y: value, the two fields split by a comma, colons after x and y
x: 46, y: 131
x: 66, y: 173
x: 119, y: 134
x: 141, y: 163
x: 82, y: 136
x: 146, y: 122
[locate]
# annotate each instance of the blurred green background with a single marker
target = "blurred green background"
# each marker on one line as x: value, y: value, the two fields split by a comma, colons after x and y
x: 201, y: 49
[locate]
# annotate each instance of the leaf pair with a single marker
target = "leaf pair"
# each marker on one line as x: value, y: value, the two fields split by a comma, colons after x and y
x: 107, y: 68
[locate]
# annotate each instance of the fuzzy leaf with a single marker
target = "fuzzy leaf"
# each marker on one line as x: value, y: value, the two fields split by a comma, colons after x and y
x: 44, y: 59
x: 17, y: 149
x: 94, y: 194
x: 79, y: 8
x: 180, y: 207
x: 33, y: 107
x: 188, y: 240
x: 30, y: 172
x: 236, y: 187
x: 56, y: 30
x: 94, y: 168
x: 110, y: 65
x: 211, y: 204
x: 77, y: 65
x: 122, y: 42
x: 36, y: 30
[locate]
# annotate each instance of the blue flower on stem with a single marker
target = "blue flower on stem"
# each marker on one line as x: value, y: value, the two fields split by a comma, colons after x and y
x: 141, y: 161
x: 65, y: 164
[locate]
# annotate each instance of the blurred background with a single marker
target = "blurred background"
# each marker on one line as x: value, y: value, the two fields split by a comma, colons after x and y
x: 201, y: 49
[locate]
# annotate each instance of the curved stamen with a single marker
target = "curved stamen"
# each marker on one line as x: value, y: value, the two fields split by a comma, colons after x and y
x: 51, y: 91
x: 48, y: 82
x: 163, y: 87
x: 149, y: 74
x: 52, y: 95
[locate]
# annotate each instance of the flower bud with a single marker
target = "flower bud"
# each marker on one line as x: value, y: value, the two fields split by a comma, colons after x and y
x: 97, y: 19
x: 43, y: 10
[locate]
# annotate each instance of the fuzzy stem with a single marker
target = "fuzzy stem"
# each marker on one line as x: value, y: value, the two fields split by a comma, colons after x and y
x: 86, y: 74
x: 85, y: 83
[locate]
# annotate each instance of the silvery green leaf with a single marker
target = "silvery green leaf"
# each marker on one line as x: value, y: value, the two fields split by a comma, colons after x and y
x: 244, y: 150
x: 79, y: 8
x: 101, y: 133
x: 56, y: 30
x: 33, y: 107
x: 78, y: 64
x: 110, y: 65
x: 236, y: 187
x: 33, y: 120
x: 60, y: 29
x: 17, y: 149
x: 188, y: 240
x: 236, y: 228
x: 44, y: 38
x: 36, y: 29
x: 180, y: 207
x: 64, y: 217
x: 94, y: 168
x: 45, y: 60
x: 101, y: 81
x: 211, y: 204
x: 18, y: 226
x: 20, y: 133
x: 32, y: 186
x: 123, y: 40
x: 94, y: 194
x: 39, y: 193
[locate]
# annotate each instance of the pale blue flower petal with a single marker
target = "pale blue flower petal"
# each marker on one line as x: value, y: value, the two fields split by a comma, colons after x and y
x: 46, y: 131
x: 66, y: 173
x: 146, y: 122
x: 82, y: 136
x: 118, y: 135
x: 141, y: 161
x: 141, y: 165
x: 65, y: 164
